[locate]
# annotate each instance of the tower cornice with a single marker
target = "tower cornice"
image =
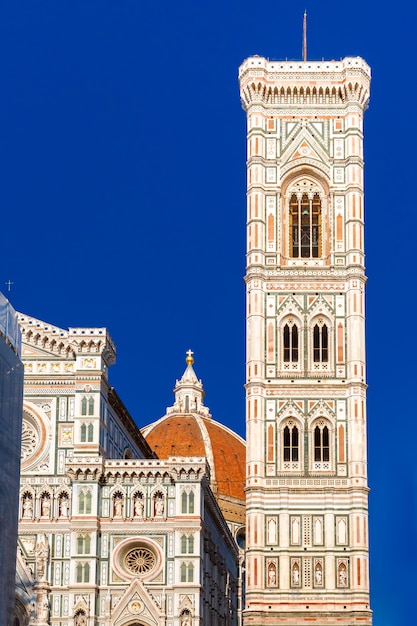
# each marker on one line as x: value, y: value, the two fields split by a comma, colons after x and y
x: 304, y: 84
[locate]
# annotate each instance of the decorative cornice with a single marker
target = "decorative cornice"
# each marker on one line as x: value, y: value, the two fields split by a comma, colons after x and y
x: 52, y: 340
x: 287, y: 84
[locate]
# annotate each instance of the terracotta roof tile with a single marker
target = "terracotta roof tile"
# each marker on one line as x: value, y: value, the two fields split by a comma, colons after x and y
x: 181, y: 435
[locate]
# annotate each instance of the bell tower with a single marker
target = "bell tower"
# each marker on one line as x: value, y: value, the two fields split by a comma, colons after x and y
x: 306, y: 486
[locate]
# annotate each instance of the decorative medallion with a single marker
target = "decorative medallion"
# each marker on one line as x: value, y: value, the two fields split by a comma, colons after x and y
x: 135, y: 607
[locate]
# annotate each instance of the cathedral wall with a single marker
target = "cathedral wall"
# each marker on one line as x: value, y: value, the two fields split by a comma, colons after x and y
x: 11, y: 390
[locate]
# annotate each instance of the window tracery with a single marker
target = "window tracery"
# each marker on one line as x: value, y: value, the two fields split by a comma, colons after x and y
x: 290, y: 446
x: 290, y: 343
x: 139, y: 560
x: 187, y: 544
x: 320, y: 342
x: 187, y: 572
x: 30, y: 440
x: 87, y: 405
x: 87, y: 432
x: 305, y: 203
x: 84, y: 501
x: 82, y: 571
x: 187, y: 502
x: 83, y: 544
x: 320, y: 446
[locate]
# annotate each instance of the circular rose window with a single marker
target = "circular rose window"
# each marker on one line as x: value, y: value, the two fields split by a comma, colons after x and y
x: 137, y: 557
x: 140, y: 561
x: 30, y: 440
x: 34, y: 435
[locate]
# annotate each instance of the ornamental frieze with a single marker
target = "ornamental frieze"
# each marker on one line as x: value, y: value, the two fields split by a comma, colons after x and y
x: 305, y: 286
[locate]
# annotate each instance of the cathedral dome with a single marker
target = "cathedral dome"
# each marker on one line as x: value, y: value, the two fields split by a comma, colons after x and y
x: 187, y: 429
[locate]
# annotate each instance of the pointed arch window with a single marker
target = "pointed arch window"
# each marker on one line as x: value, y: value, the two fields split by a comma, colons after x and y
x: 82, y: 573
x: 290, y: 337
x: 83, y: 544
x: 84, y: 502
x: 305, y: 225
x: 320, y: 343
x: 187, y: 572
x: 321, y: 444
x: 291, y: 443
x: 87, y: 405
x: 187, y: 502
x: 187, y: 544
x: 191, y: 502
x: 86, y: 432
x: 184, y: 502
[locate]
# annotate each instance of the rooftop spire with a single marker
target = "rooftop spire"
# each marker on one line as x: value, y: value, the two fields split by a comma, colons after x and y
x: 305, y: 36
x: 189, y: 392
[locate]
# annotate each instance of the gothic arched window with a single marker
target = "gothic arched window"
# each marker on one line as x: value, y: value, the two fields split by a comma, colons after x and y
x: 320, y: 343
x: 191, y: 502
x: 86, y: 432
x: 83, y: 544
x: 84, y: 502
x: 305, y: 220
x: 82, y: 573
x: 187, y: 572
x: 321, y: 444
x: 187, y: 544
x: 291, y: 442
x: 184, y: 502
x: 290, y: 336
x: 187, y: 502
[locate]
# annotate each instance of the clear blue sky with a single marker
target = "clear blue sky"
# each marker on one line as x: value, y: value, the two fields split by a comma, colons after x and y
x: 122, y: 148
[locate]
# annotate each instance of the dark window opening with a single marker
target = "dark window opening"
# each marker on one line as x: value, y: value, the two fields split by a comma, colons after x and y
x: 290, y: 344
x: 305, y: 226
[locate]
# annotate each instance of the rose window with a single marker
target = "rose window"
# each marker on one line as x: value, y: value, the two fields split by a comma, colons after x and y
x: 140, y: 560
x: 30, y: 440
